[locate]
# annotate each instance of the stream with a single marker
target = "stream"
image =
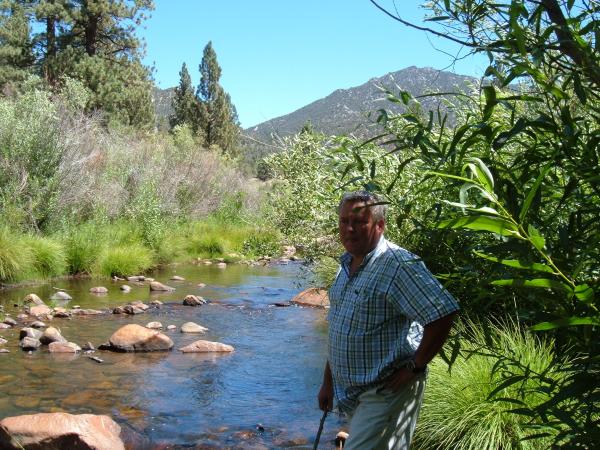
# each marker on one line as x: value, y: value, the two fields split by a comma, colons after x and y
x: 261, y: 396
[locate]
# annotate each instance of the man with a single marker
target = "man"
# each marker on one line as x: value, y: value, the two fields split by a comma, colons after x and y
x: 389, y: 317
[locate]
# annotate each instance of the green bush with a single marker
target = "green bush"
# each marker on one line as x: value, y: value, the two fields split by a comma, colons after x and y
x: 48, y: 256
x: 206, y: 246
x: 462, y: 408
x: 15, y: 257
x: 262, y: 243
x: 124, y: 260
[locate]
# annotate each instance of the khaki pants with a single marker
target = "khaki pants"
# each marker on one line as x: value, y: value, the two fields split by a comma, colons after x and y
x: 385, y: 420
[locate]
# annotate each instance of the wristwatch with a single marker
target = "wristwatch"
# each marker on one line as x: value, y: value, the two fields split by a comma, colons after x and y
x: 412, y: 366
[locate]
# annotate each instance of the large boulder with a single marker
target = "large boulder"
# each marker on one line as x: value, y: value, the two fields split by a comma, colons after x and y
x: 206, y: 347
x: 57, y: 431
x: 136, y: 338
x: 315, y: 297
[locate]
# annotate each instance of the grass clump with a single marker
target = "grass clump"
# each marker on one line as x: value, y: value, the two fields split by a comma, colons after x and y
x: 83, y: 245
x: 457, y: 412
x: 48, y: 256
x: 15, y: 256
x: 124, y: 259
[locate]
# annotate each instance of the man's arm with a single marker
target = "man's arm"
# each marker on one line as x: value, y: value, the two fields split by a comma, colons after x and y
x: 434, y: 336
x: 326, y: 393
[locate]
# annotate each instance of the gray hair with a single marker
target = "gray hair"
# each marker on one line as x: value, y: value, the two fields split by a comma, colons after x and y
x: 378, y: 211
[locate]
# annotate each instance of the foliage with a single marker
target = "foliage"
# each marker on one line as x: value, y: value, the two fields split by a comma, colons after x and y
x: 262, y: 243
x: 185, y: 104
x: 31, y: 153
x: 124, y: 260
x: 48, y: 256
x: 518, y: 178
x: 83, y: 245
x: 463, y: 408
x: 89, y: 40
x: 15, y: 257
x: 217, y: 115
x: 16, y: 56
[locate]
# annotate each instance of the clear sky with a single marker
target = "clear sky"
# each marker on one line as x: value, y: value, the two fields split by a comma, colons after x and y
x: 279, y: 55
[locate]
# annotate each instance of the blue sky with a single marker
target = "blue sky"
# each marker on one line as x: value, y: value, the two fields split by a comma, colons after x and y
x: 279, y: 55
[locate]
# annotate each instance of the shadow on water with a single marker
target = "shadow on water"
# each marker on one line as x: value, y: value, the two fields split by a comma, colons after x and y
x: 263, y: 395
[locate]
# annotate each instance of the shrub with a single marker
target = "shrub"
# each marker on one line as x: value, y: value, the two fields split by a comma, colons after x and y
x: 206, y: 246
x: 15, y: 257
x: 124, y: 260
x: 48, y: 256
x: 262, y: 243
x: 461, y: 409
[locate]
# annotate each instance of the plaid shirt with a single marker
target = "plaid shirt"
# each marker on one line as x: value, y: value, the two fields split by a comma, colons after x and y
x: 376, y: 317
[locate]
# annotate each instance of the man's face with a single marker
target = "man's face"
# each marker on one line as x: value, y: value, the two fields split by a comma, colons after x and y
x: 359, y: 233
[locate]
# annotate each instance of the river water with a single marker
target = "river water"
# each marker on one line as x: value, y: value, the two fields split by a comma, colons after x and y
x: 263, y: 395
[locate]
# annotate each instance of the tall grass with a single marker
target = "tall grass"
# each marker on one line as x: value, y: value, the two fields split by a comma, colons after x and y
x: 15, y: 256
x: 48, y: 256
x: 83, y: 245
x: 457, y: 412
x: 124, y: 260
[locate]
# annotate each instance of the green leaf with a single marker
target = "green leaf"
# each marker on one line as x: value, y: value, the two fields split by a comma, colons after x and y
x: 490, y: 101
x: 584, y: 293
x: 506, y: 383
x: 405, y: 96
x: 536, y: 238
x: 543, y: 283
x: 483, y: 209
x: 515, y: 263
x: 481, y: 171
x: 532, y: 192
x: 482, y: 223
x: 566, y: 322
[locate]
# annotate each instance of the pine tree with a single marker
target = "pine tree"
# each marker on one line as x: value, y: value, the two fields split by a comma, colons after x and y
x: 217, y: 115
x: 16, y: 57
x: 185, y: 105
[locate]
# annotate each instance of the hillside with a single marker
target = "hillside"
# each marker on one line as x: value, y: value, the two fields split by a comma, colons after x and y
x: 345, y: 111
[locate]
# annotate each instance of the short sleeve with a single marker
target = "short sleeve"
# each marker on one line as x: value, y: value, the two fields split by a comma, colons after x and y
x: 419, y: 295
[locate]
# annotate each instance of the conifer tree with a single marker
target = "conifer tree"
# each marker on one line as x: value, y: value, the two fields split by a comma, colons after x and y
x: 16, y: 57
x: 217, y: 115
x: 185, y: 105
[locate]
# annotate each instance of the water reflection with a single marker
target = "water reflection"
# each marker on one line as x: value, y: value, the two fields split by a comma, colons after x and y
x: 178, y: 399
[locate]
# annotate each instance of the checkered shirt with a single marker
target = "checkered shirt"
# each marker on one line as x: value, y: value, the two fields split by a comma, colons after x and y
x: 376, y: 317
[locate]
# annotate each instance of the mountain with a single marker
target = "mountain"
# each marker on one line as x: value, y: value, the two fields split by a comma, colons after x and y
x: 345, y: 111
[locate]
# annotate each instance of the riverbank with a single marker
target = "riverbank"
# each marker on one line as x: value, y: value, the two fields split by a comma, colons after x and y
x: 121, y: 249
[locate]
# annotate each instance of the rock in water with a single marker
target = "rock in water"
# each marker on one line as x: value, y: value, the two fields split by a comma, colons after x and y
x: 315, y: 297
x: 193, y: 300
x: 99, y: 290
x: 61, y: 295
x: 206, y: 347
x: 33, y: 298
x: 136, y: 338
x: 191, y: 327
x: 159, y: 287
x: 55, y: 431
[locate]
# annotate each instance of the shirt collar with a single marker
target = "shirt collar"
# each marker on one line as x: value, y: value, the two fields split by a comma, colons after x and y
x: 346, y: 258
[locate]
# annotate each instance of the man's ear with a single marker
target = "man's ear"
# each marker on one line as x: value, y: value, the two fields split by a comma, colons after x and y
x: 381, y: 224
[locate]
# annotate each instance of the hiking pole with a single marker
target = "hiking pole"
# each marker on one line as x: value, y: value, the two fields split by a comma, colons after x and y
x: 320, y: 430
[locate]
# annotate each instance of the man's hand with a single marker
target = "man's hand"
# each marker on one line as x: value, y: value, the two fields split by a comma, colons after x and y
x: 399, y: 379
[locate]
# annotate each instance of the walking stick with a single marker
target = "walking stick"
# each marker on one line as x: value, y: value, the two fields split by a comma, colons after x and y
x: 320, y: 430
